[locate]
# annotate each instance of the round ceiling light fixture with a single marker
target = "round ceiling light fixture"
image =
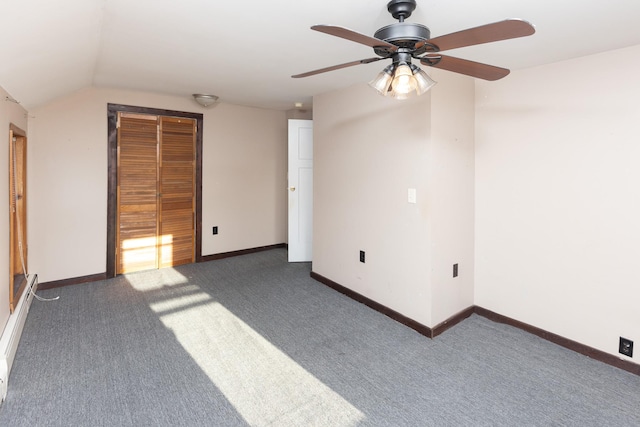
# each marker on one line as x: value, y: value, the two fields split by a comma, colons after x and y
x: 205, y: 100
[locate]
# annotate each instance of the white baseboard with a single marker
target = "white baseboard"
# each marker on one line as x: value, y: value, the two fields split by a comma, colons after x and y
x: 12, y: 332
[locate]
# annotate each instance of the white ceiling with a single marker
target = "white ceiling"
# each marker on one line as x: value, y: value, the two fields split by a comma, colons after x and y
x: 246, y: 51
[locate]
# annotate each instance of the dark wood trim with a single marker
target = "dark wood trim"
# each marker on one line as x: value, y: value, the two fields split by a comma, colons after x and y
x: 452, y: 321
x: 585, y: 350
x: 112, y: 189
x: 419, y: 327
x: 103, y: 276
x: 241, y: 252
x: 112, y: 170
x: 199, y: 130
x: 73, y: 281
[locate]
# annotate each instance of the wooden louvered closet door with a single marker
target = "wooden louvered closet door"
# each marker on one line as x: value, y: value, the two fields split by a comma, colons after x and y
x: 156, y: 192
x: 177, y: 191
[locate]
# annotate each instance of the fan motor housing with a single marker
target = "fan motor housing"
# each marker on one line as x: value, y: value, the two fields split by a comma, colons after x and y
x: 401, y: 34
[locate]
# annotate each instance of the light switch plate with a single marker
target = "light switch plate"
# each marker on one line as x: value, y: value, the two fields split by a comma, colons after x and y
x: 411, y: 195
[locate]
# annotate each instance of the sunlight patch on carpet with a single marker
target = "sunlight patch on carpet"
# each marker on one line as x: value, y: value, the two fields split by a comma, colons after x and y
x: 151, y: 280
x: 266, y: 386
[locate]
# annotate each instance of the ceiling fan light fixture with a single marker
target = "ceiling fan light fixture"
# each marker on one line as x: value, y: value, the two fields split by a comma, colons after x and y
x: 383, y: 80
x: 403, y: 80
x: 423, y: 81
x: 205, y: 100
x: 399, y: 81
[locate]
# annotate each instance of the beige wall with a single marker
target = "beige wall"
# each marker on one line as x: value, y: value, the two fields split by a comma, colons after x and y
x: 300, y: 114
x: 451, y: 194
x: 368, y: 151
x: 557, y: 199
x: 244, y: 178
x: 555, y: 221
x: 10, y: 113
x: 244, y: 172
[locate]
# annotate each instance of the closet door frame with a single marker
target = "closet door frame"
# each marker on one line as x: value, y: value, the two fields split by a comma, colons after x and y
x: 112, y: 182
x: 17, y: 214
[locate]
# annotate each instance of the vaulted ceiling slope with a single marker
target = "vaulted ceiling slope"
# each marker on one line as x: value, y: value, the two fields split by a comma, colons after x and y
x: 245, y: 52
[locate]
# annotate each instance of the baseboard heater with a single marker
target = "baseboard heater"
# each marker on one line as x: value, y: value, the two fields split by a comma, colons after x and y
x: 12, y: 332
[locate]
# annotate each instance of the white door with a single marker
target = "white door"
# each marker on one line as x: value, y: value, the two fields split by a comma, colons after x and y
x: 300, y: 190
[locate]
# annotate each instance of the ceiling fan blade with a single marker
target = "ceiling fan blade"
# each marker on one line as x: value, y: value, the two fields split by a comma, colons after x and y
x: 503, y: 30
x: 348, y: 34
x: 337, y: 67
x: 464, y: 66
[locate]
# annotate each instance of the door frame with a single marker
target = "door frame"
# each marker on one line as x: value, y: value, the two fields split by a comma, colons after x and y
x: 112, y: 181
x: 15, y: 294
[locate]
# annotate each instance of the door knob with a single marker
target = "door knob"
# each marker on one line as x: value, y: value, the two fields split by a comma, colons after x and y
x: 292, y: 188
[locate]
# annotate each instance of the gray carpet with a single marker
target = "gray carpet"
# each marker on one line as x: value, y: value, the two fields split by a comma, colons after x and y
x: 253, y: 340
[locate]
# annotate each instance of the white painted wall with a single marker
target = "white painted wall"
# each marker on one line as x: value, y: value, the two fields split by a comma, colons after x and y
x: 10, y: 113
x: 368, y: 151
x: 451, y: 193
x: 557, y: 199
x: 364, y: 162
x: 244, y: 177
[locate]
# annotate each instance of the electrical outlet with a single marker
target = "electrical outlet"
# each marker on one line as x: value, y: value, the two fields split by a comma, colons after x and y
x: 361, y: 256
x: 455, y: 270
x: 626, y: 347
x: 215, y: 229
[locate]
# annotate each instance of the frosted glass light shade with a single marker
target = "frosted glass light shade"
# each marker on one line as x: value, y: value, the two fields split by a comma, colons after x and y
x: 205, y: 100
x: 382, y: 81
x: 423, y: 81
x: 403, y: 82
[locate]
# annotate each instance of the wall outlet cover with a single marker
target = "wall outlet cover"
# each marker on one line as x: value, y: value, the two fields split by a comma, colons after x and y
x: 626, y: 347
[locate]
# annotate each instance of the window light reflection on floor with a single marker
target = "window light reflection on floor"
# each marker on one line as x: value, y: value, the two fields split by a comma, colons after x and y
x: 264, y: 384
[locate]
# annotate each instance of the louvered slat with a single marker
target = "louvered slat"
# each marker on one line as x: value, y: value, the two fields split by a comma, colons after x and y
x: 137, y: 193
x: 177, y: 189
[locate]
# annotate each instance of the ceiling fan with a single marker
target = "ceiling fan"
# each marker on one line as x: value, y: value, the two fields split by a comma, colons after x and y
x: 403, y: 41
